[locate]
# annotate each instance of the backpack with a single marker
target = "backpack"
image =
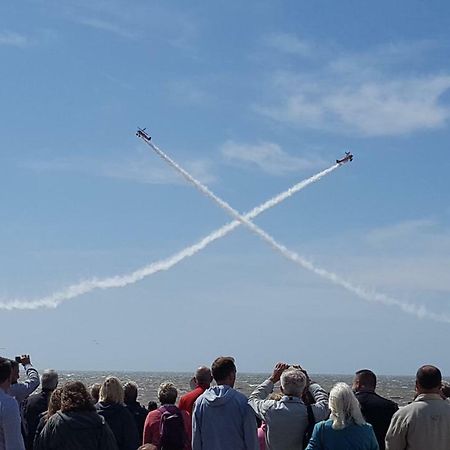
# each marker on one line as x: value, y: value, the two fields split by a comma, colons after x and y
x: 171, y: 429
x: 310, y: 427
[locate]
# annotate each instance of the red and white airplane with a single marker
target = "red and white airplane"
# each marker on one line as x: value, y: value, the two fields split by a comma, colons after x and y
x: 348, y: 157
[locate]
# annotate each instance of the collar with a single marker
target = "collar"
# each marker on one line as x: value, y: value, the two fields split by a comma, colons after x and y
x: 428, y: 397
x: 291, y: 398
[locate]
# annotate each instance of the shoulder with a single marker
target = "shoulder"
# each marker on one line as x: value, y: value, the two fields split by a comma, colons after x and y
x: 55, y: 420
x: 386, y: 402
x: 367, y: 427
x: 239, y: 396
x: 325, y: 424
x: 154, y: 415
x: 9, y: 403
x: 406, y: 412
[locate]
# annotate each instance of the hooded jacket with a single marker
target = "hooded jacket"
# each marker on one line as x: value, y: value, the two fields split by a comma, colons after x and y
x: 223, y: 420
x: 121, y: 423
x: 76, y: 430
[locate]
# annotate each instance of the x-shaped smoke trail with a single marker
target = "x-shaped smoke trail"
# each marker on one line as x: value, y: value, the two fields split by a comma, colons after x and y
x: 86, y: 286
x: 417, y: 310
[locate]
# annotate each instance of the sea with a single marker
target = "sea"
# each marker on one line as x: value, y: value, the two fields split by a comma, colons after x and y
x: 397, y: 388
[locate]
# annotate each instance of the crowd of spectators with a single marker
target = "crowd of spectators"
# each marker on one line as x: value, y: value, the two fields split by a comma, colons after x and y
x: 217, y: 416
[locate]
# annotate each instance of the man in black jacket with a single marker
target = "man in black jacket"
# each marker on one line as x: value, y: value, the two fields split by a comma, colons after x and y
x: 136, y: 409
x: 36, y: 404
x: 377, y: 410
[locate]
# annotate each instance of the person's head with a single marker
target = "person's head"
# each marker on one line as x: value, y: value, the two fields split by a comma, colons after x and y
x: 428, y: 380
x: 152, y: 406
x: 167, y: 393
x: 15, y: 372
x: 75, y: 397
x: 5, y: 372
x: 49, y: 380
x: 111, y: 391
x: 54, y: 404
x: 344, y: 407
x: 224, y: 370
x: 445, y: 389
x: 94, y: 390
x: 365, y: 380
x: 130, y: 390
x: 293, y: 382
x: 203, y: 377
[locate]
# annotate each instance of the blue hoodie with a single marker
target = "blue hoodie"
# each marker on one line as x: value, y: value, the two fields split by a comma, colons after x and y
x: 223, y: 420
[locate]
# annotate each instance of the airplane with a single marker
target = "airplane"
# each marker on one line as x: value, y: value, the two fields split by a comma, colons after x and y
x: 143, y: 134
x: 348, y: 157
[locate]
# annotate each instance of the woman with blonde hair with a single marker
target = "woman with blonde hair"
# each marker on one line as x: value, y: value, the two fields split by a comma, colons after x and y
x: 346, y: 429
x: 119, y: 419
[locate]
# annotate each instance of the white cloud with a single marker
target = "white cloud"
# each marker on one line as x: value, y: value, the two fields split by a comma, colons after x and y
x: 359, y: 94
x: 370, y: 108
x: 12, y: 39
x: 267, y: 156
x: 138, y: 169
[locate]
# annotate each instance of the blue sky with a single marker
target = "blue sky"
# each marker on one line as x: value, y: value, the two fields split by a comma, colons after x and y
x: 251, y: 98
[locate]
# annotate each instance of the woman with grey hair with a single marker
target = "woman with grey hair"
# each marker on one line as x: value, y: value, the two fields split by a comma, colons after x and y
x: 170, y: 418
x: 346, y: 429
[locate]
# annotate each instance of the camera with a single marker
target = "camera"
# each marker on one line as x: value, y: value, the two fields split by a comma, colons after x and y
x: 18, y: 359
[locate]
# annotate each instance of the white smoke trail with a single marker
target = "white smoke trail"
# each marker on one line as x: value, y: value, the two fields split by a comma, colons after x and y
x: 418, y: 311
x: 83, y: 287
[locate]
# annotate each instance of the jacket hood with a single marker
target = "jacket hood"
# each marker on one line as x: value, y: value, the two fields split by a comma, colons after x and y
x: 108, y: 410
x: 219, y: 395
x: 81, y: 420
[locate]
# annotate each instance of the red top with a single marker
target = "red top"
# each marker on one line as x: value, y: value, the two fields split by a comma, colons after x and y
x: 187, y: 400
x: 151, y: 428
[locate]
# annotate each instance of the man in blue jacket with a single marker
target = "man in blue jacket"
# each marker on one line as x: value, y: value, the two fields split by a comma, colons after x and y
x: 222, y: 418
x: 10, y: 433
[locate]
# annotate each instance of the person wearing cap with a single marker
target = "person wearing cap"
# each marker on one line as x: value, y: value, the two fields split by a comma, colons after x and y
x: 36, y: 404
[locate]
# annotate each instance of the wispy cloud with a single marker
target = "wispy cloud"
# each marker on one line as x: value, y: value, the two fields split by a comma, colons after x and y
x: 12, y: 39
x: 109, y: 27
x: 289, y: 43
x: 168, y: 25
x: 410, y: 257
x: 188, y: 93
x: 359, y: 94
x: 138, y: 169
x: 267, y: 156
x: 407, y: 229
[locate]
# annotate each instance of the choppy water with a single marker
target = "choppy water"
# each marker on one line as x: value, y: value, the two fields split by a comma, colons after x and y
x: 398, y: 388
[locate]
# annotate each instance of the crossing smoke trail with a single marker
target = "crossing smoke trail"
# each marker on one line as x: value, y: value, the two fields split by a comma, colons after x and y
x: 418, y: 310
x: 86, y: 286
